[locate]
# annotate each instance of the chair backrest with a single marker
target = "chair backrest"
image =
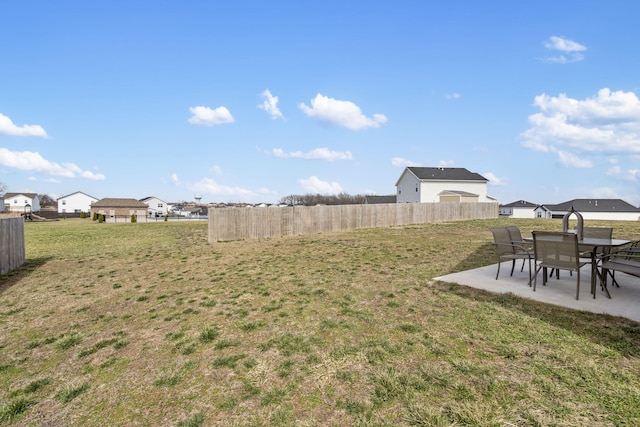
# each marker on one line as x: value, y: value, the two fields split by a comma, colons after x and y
x: 502, y: 239
x: 597, y: 232
x: 514, y: 231
x: 556, y: 249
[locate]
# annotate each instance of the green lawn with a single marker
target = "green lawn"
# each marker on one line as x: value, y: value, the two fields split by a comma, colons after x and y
x: 149, y: 324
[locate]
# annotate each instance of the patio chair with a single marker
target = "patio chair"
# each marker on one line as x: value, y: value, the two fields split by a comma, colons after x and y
x: 516, y: 239
x: 508, y: 250
x: 557, y: 250
x: 596, y: 233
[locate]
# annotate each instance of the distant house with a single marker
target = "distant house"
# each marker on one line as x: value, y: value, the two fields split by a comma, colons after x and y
x: 596, y: 209
x: 156, y: 206
x: 519, y: 209
x: 437, y: 184
x: 75, y: 203
x: 373, y: 200
x: 120, y: 210
x: 20, y: 202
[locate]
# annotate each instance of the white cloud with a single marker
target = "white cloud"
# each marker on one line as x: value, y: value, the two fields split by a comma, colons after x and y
x: 493, y: 179
x: 316, y: 154
x: 454, y: 95
x: 571, y: 160
x: 316, y: 186
x: 402, y: 162
x: 270, y: 105
x: 341, y: 113
x: 7, y: 127
x: 445, y: 163
x: 174, y: 179
x: 33, y: 161
x: 563, y: 44
x: 571, y: 51
x: 209, y: 186
x: 206, y: 116
x: 626, y: 175
x: 607, y: 123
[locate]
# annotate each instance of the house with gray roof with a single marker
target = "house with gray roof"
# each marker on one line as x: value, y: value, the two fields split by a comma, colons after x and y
x: 75, y: 203
x: 120, y: 209
x: 518, y: 209
x: 21, y: 202
x: 595, y: 209
x: 439, y: 184
x: 373, y: 200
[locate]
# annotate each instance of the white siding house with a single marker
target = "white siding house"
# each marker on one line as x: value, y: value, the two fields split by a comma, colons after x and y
x: 519, y: 209
x: 17, y: 202
x: 157, y: 207
x: 75, y: 203
x: 431, y: 185
x: 594, y: 209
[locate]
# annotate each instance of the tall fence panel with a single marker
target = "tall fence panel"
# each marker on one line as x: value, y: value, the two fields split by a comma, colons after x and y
x: 12, y: 249
x: 254, y: 223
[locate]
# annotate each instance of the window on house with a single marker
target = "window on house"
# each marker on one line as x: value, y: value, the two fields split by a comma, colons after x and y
x: 417, y: 187
x: 159, y: 205
x: 64, y: 202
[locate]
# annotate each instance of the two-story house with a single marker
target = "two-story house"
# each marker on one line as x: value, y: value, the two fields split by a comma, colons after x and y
x: 157, y: 207
x: 75, y: 203
x: 21, y: 202
x: 439, y: 184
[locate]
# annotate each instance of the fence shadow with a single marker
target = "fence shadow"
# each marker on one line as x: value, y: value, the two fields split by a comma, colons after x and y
x: 14, y: 276
x: 617, y: 333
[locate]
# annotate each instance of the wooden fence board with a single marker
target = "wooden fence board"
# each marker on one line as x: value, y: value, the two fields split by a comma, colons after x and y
x: 256, y: 223
x: 12, y: 247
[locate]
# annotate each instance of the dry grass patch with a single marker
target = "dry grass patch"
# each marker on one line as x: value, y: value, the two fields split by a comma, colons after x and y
x: 149, y: 324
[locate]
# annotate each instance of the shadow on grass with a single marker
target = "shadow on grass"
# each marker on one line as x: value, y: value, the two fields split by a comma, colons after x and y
x: 618, y: 333
x: 11, y: 278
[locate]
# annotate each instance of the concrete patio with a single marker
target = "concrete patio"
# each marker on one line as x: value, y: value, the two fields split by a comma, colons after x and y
x: 624, y: 302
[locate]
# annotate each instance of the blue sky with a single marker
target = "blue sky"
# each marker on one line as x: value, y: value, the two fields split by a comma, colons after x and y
x: 251, y: 101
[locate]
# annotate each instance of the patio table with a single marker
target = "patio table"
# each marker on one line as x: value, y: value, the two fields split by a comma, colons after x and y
x: 592, y: 244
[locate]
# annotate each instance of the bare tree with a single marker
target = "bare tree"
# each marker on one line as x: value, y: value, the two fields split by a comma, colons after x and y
x: 322, y: 199
x: 3, y: 188
x: 47, y: 201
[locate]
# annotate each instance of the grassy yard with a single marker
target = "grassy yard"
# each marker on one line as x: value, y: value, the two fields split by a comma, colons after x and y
x: 151, y: 325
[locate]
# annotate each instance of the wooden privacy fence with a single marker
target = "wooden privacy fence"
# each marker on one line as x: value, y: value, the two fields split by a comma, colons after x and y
x: 12, y: 252
x: 254, y: 223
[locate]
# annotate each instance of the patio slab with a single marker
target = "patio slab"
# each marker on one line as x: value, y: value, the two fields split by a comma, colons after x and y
x: 624, y: 302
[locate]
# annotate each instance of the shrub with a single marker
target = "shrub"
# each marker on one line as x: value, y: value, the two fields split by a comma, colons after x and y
x: 134, y: 218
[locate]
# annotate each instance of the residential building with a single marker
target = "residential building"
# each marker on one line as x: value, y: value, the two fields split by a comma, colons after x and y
x: 120, y: 210
x: 372, y: 200
x: 75, y: 203
x: 157, y: 207
x: 21, y: 202
x: 439, y: 184
x: 518, y: 209
x: 594, y: 209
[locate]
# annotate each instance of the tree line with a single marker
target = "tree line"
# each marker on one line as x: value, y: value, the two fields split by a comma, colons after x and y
x: 322, y: 199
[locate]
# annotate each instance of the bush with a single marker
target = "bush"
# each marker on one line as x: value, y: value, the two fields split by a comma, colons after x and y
x: 83, y: 214
x: 134, y: 218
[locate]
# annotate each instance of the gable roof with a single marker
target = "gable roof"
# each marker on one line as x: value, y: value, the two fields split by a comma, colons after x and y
x: 594, y: 205
x: 118, y: 203
x: 445, y: 174
x: 371, y: 200
x: 457, y: 193
x: 520, y: 204
x: 150, y: 198
x: 74, y: 193
x: 29, y: 195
